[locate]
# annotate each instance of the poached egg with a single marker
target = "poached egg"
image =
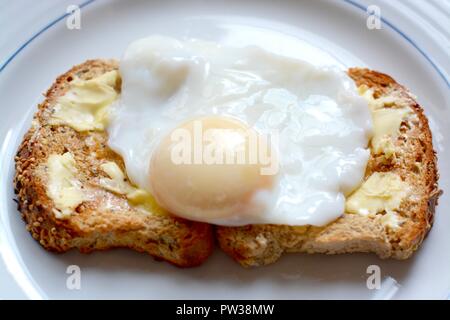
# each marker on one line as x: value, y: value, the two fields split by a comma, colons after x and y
x: 295, y: 135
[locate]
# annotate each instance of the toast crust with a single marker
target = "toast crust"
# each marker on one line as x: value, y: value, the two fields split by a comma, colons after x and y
x: 415, y: 163
x: 94, y: 225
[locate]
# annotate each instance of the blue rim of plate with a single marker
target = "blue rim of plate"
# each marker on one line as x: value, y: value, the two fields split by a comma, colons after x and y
x: 37, y: 34
x: 350, y: 2
x: 407, y: 38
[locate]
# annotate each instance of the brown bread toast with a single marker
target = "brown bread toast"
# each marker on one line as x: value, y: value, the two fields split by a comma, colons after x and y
x: 106, y: 220
x: 412, y: 158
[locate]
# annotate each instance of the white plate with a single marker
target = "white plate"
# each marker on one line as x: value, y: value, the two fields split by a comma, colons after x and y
x: 412, y: 46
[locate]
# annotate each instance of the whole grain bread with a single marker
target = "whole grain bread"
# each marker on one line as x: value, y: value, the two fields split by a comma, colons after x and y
x: 95, y: 227
x: 106, y: 220
x: 414, y: 161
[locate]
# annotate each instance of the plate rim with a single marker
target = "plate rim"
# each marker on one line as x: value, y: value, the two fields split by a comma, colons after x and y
x: 353, y: 3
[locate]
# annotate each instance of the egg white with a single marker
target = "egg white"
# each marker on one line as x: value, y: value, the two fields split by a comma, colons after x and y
x: 324, y: 126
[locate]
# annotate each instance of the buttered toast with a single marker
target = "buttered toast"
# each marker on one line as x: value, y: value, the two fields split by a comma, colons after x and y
x: 73, y: 192
x: 390, y: 214
x: 61, y: 192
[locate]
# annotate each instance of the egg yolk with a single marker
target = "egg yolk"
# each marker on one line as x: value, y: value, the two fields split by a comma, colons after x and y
x: 210, y: 168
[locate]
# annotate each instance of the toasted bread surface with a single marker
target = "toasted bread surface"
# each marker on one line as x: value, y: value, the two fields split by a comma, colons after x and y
x: 105, y: 220
x: 414, y: 161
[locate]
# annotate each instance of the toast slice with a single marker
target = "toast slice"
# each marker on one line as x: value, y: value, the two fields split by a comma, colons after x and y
x: 105, y: 219
x: 402, y: 159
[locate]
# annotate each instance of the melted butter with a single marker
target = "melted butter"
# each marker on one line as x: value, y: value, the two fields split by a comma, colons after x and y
x: 381, y: 192
x: 118, y: 183
x: 375, y: 103
x: 84, y: 106
x: 63, y: 187
x: 386, y: 121
x: 391, y: 221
